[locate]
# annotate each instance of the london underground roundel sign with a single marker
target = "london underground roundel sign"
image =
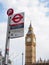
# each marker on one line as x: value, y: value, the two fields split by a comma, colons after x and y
x: 10, y: 11
x: 17, y: 18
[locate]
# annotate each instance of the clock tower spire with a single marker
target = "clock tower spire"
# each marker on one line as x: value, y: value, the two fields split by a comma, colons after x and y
x: 30, y: 47
x: 30, y: 29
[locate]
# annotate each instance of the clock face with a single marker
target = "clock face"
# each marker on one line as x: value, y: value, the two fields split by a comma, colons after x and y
x: 34, y: 40
x: 28, y: 39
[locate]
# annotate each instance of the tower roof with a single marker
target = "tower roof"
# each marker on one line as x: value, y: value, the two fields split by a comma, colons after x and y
x: 30, y: 30
x: 30, y: 25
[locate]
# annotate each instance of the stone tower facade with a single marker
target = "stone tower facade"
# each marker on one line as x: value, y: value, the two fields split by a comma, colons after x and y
x: 30, y: 47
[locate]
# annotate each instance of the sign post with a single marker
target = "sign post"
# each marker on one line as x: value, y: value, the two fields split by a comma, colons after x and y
x: 17, y: 25
x: 15, y: 29
x: 9, y: 13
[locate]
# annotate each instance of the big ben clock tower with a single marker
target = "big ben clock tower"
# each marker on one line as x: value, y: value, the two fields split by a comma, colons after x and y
x: 30, y: 47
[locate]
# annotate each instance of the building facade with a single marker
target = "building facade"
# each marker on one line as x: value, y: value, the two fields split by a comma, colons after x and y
x: 30, y: 49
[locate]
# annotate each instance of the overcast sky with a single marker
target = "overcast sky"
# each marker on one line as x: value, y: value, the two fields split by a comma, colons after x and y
x: 36, y: 11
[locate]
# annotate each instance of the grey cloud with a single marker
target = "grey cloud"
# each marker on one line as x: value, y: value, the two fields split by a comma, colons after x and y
x: 47, y: 5
x: 47, y: 14
x: 43, y: 1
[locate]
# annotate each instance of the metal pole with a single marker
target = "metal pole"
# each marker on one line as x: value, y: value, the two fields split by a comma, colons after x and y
x: 7, y: 43
x: 22, y: 58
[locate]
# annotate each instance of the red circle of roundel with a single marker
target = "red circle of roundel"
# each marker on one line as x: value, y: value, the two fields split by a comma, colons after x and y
x: 10, y: 11
x: 17, y: 18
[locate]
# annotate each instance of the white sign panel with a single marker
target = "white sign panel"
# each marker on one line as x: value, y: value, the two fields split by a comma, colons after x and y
x: 17, y: 25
